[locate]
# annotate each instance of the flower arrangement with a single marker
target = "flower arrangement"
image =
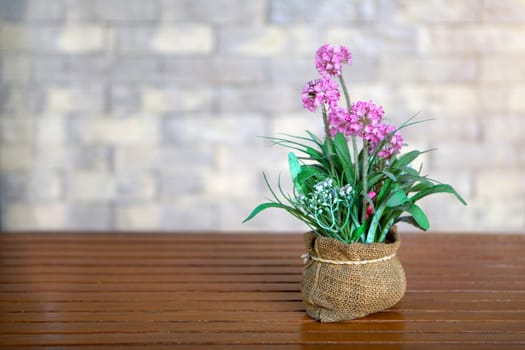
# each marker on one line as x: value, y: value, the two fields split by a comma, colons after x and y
x: 354, y: 184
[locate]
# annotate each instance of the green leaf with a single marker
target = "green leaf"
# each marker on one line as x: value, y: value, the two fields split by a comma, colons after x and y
x: 295, y: 170
x: 315, y: 154
x: 406, y: 159
x: 397, y: 198
x: 308, y: 177
x: 419, y: 217
x: 358, y: 232
x: 264, y: 206
x: 343, y: 154
x: 422, y: 185
x: 440, y: 188
x: 341, y: 149
x: 389, y: 175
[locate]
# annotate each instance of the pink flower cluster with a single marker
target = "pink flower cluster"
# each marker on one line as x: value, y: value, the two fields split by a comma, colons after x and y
x: 394, y: 144
x: 320, y: 91
x: 365, y: 121
x: 329, y: 60
x: 364, y: 118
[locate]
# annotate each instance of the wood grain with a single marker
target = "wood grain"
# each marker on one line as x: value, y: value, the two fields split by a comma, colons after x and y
x: 242, y: 291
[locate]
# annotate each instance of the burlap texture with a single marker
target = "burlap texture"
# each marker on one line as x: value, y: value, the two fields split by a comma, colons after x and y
x: 334, y: 293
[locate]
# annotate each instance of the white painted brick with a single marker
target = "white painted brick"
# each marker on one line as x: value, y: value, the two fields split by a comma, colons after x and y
x: 267, y: 99
x: 297, y: 124
x: 232, y: 213
x: 497, y: 184
x: 503, y: 214
x: 89, y: 216
x: 510, y: 128
x: 261, y: 157
x: 137, y: 69
x: 70, y: 39
x: 503, y: 68
x: 16, y: 130
x: 223, y: 185
x: 166, y: 39
x: 90, y: 159
x: 143, y: 216
x: 164, y: 159
x: 465, y: 39
x: 433, y: 11
x: 117, y: 11
x: 136, y: 130
x: 223, y: 129
x: 188, y: 39
x: 16, y: 67
x: 183, y: 216
x: 15, y: 157
x: 90, y: 186
x: 407, y: 68
x: 215, y: 70
x: 517, y: 98
x: 463, y: 156
x: 196, y: 158
x: 503, y: 11
x: 78, y: 98
x: 185, y: 99
x: 135, y: 158
x: 50, y: 130
x: 86, y: 159
x: 177, y: 184
x: 49, y: 10
x: 50, y: 216
x: 48, y: 158
x: 44, y: 187
x: 461, y: 181
x: 440, y: 129
x: 20, y: 99
x: 495, y: 97
x: 134, y: 187
x: 377, y: 41
x: 34, y: 217
x: 329, y: 12
x: 75, y: 39
x: 17, y: 217
x: 450, y: 98
x: 223, y: 12
x: 261, y: 41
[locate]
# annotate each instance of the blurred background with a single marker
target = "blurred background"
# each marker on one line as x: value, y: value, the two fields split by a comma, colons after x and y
x: 144, y: 114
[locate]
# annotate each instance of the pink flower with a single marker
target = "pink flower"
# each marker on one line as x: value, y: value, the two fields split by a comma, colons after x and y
x: 364, y: 120
x: 370, y: 209
x: 320, y: 91
x: 329, y: 60
x: 393, y: 144
x: 337, y: 121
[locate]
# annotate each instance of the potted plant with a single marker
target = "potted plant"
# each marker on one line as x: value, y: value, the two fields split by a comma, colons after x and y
x: 350, y: 187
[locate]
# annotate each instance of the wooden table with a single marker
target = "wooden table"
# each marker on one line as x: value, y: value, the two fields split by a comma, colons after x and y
x: 232, y: 291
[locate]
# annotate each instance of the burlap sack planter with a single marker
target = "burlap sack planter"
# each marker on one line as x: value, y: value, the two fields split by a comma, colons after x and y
x: 347, y: 281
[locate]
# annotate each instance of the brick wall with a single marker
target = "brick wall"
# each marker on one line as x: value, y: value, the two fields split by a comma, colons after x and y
x: 134, y: 114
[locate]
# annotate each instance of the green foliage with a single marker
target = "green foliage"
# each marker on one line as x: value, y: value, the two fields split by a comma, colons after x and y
x: 329, y: 197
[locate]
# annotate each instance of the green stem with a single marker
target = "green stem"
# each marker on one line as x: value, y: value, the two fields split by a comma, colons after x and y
x: 328, y: 140
x: 345, y: 92
x: 354, y: 142
x: 365, y: 180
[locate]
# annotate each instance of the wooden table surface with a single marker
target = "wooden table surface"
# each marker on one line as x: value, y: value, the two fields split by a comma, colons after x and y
x: 232, y: 291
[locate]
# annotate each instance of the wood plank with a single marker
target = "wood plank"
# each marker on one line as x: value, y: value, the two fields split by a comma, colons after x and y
x: 305, y: 326
x: 226, y: 316
x: 324, y: 346
x: 261, y: 338
x: 221, y: 291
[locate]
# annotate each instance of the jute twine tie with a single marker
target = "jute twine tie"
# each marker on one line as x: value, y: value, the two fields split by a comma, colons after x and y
x: 307, y: 257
